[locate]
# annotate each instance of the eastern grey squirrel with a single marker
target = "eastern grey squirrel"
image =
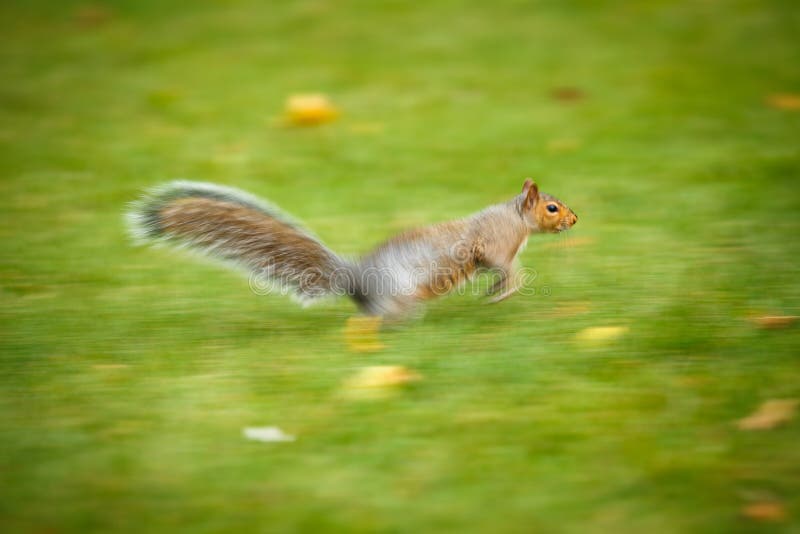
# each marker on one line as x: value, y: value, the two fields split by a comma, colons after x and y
x: 416, y: 265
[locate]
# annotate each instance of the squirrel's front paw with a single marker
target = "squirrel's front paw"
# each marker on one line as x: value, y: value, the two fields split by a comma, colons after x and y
x: 494, y: 299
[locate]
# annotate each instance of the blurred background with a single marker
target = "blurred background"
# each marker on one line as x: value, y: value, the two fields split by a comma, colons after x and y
x: 650, y: 383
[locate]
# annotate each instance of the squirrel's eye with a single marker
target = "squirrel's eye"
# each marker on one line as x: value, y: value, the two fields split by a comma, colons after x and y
x: 552, y: 208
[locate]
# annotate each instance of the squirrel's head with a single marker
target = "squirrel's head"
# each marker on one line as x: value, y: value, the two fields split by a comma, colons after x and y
x: 545, y: 213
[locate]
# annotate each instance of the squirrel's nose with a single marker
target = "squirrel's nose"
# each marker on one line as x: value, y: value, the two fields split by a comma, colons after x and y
x: 574, y: 219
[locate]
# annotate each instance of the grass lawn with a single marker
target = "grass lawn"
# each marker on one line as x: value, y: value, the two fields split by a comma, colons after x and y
x: 129, y: 373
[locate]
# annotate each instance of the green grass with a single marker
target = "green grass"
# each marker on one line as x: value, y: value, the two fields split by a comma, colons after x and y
x: 128, y: 373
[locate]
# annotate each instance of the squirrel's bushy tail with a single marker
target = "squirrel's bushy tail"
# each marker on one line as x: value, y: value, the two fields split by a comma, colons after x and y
x: 236, y: 227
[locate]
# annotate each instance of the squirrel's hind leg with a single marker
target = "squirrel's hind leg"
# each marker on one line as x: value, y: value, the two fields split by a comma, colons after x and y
x: 509, y: 282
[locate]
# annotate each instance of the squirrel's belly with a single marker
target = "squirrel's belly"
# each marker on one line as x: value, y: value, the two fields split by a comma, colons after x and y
x: 387, y: 290
x: 444, y: 279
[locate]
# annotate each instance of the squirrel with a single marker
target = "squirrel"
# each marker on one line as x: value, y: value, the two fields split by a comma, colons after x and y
x: 414, y: 266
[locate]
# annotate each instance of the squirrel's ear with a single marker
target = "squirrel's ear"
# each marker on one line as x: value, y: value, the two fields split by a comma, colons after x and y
x: 527, y: 185
x: 531, y: 191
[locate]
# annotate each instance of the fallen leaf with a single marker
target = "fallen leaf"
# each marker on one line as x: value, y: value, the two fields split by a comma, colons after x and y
x: 310, y: 109
x: 267, y: 434
x: 764, y: 511
x: 361, y: 334
x: 90, y: 16
x: 784, y: 101
x: 770, y: 414
x: 774, y: 322
x: 378, y: 381
x: 693, y: 381
x: 567, y: 94
x: 598, y: 335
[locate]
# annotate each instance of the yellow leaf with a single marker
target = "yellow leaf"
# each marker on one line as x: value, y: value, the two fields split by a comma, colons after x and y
x: 310, y: 109
x: 361, y: 334
x: 769, y: 415
x: 774, y: 322
x: 784, y: 101
x: 598, y: 335
x: 764, y: 511
x: 379, y: 381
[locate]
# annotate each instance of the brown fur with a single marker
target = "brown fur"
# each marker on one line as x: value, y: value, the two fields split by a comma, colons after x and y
x: 208, y: 221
